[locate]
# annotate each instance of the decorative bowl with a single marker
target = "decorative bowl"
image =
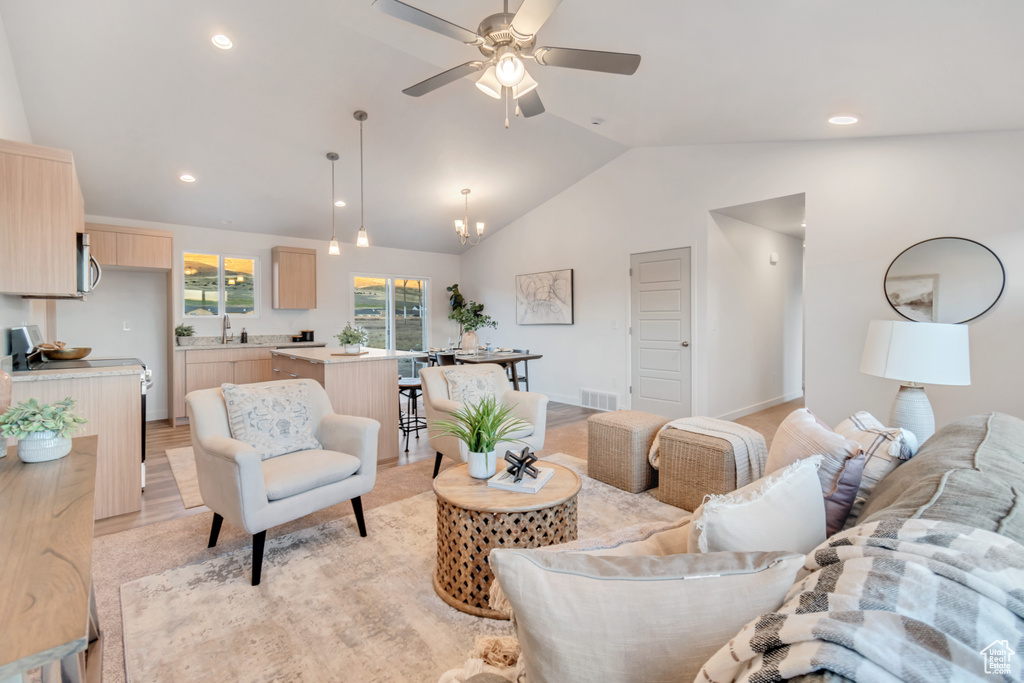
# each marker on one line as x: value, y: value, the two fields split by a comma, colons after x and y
x: 67, y: 353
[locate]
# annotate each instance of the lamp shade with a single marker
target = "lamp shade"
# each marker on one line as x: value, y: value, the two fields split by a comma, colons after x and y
x: 489, y: 84
x: 925, y: 353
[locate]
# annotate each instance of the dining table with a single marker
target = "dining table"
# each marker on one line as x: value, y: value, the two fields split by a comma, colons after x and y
x: 506, y: 359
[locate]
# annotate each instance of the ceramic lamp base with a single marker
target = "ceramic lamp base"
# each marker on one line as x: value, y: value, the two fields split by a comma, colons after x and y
x: 912, y: 411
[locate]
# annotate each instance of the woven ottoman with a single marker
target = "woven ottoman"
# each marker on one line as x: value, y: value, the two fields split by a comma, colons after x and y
x: 691, y: 466
x: 617, y: 448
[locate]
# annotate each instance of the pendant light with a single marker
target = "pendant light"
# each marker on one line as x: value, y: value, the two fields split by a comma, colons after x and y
x: 361, y: 239
x: 335, y: 248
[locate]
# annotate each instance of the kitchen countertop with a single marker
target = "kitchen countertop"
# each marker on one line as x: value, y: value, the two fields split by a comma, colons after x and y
x: 250, y: 345
x: 327, y: 355
x: 74, y: 373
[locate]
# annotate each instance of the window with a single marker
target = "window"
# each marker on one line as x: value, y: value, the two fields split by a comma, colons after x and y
x: 210, y: 279
x: 393, y: 311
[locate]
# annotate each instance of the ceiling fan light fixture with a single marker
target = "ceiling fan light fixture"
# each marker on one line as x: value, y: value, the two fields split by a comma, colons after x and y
x: 526, y: 85
x: 488, y: 83
x: 508, y: 68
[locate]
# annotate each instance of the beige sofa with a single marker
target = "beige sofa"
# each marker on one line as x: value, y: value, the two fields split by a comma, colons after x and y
x: 932, y: 573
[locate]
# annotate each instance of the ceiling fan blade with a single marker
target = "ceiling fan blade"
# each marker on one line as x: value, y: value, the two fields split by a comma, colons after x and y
x: 530, y: 104
x: 588, y: 60
x: 531, y: 16
x: 428, y: 21
x: 443, y: 78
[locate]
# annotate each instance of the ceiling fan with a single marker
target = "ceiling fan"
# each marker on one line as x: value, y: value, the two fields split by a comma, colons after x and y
x: 506, y: 40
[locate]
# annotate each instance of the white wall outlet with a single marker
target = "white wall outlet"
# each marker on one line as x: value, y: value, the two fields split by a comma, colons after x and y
x: 773, y: 258
x: 126, y: 327
x: 615, y: 324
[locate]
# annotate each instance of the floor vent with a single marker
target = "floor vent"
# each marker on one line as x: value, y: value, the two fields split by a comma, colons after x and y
x: 602, y: 400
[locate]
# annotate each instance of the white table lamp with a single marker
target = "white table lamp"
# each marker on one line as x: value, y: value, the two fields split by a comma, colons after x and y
x: 916, y: 353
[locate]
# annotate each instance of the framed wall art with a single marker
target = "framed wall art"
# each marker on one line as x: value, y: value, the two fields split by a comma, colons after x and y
x: 544, y: 298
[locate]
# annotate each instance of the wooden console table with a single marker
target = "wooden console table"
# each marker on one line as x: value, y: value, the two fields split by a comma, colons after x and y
x: 47, y: 608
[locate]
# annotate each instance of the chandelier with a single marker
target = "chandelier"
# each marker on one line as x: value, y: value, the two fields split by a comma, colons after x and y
x: 462, y: 225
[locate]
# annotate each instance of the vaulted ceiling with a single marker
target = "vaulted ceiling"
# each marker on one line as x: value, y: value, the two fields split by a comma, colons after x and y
x: 140, y: 95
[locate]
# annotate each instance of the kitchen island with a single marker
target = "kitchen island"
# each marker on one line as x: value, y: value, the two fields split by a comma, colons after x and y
x: 365, y: 385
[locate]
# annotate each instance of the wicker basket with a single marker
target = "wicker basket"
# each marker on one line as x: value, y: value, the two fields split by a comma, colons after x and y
x: 617, y: 448
x: 692, y: 466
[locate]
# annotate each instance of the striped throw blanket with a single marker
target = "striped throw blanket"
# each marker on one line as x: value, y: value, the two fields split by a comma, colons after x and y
x: 892, y: 600
x: 748, y: 446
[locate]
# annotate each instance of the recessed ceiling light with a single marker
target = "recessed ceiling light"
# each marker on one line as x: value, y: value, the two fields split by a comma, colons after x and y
x: 339, y: 203
x: 226, y: 222
x: 186, y: 178
x: 222, y: 41
x: 843, y: 120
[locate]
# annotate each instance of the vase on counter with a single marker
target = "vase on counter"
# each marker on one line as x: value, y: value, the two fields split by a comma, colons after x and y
x: 43, y: 446
x: 482, y: 465
x: 352, y: 349
x: 470, y: 341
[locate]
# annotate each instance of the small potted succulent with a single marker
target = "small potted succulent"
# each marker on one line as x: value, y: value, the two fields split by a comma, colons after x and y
x: 351, y: 338
x: 481, y: 426
x: 183, y: 333
x: 43, y: 431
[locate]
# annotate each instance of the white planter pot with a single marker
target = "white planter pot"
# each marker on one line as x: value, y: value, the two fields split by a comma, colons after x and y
x: 43, y: 446
x: 352, y: 348
x: 186, y: 341
x: 482, y: 465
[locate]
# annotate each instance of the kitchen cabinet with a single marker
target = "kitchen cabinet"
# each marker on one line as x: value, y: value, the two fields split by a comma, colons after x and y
x: 111, y: 402
x: 114, y: 245
x: 293, y: 277
x: 208, y: 368
x: 41, y: 210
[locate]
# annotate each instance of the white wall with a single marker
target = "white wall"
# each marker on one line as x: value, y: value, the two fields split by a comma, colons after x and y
x: 755, y: 317
x: 131, y: 296
x: 867, y: 200
x: 13, y: 126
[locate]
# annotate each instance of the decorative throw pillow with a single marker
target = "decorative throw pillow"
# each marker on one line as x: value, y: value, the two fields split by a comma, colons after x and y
x: 584, y: 618
x: 470, y: 385
x: 801, y: 435
x: 783, y: 511
x: 274, y: 419
x: 884, y: 449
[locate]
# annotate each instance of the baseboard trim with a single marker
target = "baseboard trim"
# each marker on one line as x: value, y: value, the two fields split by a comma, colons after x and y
x: 764, y: 405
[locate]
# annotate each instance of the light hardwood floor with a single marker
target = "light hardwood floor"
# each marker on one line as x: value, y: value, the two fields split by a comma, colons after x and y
x: 161, y: 502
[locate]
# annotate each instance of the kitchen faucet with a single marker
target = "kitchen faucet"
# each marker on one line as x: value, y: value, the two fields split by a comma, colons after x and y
x: 224, y: 338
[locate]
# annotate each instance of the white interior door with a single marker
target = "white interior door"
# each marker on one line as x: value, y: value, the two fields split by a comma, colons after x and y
x: 660, y: 332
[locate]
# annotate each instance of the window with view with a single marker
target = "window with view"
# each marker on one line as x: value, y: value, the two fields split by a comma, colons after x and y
x: 215, y: 284
x: 393, y: 311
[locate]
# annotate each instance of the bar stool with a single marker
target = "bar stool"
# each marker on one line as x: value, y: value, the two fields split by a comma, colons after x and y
x: 409, y: 421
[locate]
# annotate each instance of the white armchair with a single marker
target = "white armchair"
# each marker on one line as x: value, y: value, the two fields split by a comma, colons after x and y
x: 531, y: 408
x: 257, y: 493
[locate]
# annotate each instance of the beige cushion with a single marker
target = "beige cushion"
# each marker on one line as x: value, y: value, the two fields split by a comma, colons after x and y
x: 783, y: 511
x: 884, y: 449
x: 470, y: 384
x: 294, y: 473
x: 585, y: 618
x: 272, y: 418
x: 801, y: 435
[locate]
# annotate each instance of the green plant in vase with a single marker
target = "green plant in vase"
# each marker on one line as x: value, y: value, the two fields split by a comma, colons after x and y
x: 482, y: 426
x: 351, y: 338
x: 471, y: 318
x: 43, y: 431
x: 183, y: 334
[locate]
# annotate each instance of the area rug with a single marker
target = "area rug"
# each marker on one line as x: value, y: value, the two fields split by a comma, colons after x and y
x: 183, y: 467
x: 332, y: 606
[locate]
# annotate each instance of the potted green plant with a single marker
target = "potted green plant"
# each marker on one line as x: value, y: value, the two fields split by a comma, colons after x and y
x: 351, y: 338
x: 481, y: 426
x: 470, y: 319
x: 43, y: 431
x: 183, y: 333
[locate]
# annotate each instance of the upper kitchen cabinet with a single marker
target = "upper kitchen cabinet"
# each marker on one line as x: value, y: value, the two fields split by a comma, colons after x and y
x: 41, y: 210
x: 114, y: 245
x: 294, y: 277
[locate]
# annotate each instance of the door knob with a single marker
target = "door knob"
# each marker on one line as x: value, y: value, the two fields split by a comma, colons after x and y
x: 686, y: 343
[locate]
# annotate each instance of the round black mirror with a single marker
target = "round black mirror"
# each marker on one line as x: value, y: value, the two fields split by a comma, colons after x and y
x: 944, y: 280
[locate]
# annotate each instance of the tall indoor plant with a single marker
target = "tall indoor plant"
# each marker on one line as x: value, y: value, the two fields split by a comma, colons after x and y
x: 470, y: 317
x: 43, y: 431
x: 481, y: 426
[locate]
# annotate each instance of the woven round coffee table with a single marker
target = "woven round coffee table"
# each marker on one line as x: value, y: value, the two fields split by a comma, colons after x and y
x: 473, y: 519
